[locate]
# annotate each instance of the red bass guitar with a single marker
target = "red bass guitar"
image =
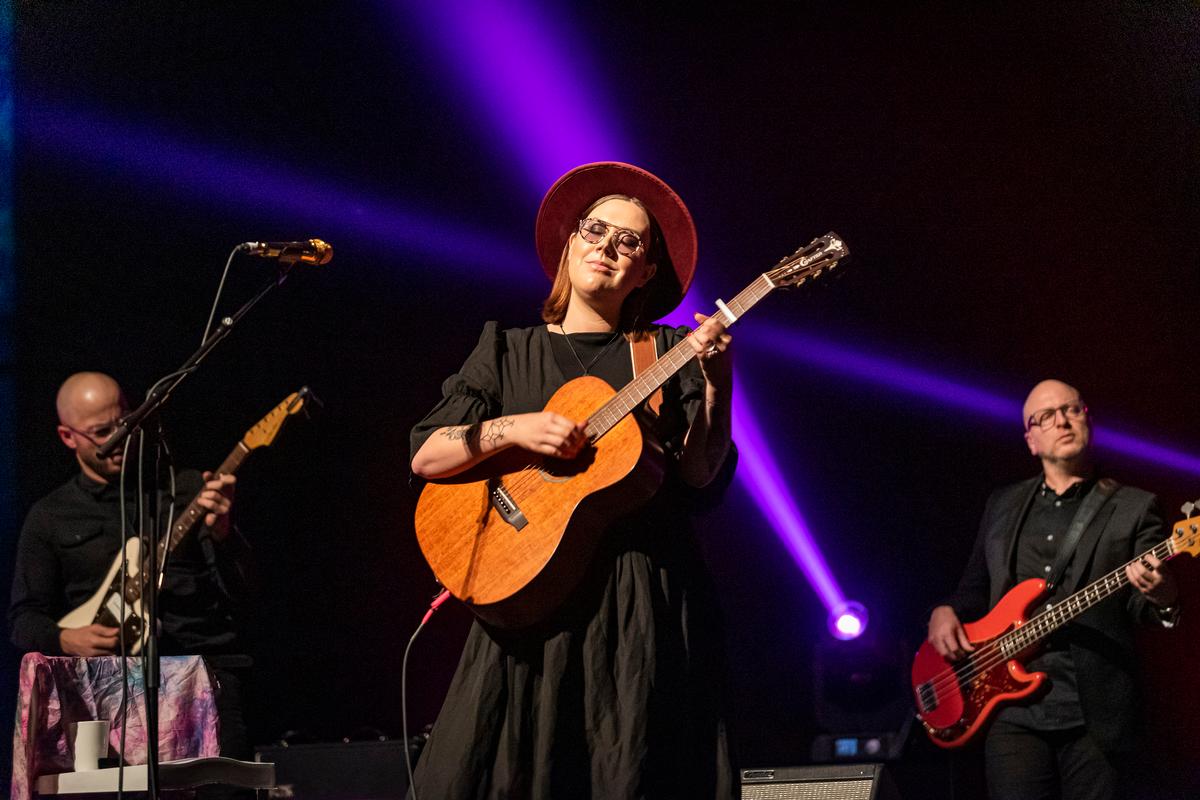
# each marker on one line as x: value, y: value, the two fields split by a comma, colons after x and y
x: 954, y: 700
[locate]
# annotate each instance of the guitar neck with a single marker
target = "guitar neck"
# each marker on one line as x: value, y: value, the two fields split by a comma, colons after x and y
x: 1047, y: 622
x: 191, y: 516
x: 644, y: 385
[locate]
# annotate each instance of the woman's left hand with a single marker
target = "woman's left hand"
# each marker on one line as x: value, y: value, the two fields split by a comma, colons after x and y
x: 711, y: 343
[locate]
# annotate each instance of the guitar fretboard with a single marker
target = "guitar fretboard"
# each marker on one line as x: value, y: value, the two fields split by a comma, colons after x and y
x: 1042, y: 625
x: 674, y: 360
x: 194, y: 512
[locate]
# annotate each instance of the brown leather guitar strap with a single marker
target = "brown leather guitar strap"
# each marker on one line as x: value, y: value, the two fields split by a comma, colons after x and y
x: 645, y: 353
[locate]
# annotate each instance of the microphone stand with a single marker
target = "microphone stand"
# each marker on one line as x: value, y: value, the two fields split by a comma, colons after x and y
x: 163, y: 388
x: 135, y: 421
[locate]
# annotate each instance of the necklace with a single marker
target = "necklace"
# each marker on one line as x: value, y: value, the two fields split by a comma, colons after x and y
x: 616, y: 335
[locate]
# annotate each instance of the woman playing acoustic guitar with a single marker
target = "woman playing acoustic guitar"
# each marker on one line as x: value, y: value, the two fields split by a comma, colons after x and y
x: 612, y: 688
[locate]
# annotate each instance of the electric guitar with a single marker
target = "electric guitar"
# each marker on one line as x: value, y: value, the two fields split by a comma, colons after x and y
x: 513, y: 536
x: 954, y: 700
x: 105, y: 606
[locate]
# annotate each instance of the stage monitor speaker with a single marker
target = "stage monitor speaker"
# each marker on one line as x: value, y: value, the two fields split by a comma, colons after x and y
x: 835, y: 782
x: 368, y: 770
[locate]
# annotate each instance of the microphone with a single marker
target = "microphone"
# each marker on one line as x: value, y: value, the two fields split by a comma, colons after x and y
x: 314, y: 251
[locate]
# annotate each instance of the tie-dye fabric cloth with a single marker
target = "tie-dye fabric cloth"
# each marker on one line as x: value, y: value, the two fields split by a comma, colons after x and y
x: 58, y: 691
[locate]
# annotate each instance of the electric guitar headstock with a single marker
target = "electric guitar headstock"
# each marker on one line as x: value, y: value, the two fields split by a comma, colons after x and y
x: 1185, y: 534
x: 267, y: 428
x: 811, y: 261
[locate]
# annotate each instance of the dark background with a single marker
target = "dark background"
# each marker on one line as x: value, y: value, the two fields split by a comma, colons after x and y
x: 1018, y: 183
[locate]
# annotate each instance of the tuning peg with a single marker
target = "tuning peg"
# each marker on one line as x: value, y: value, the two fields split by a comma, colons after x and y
x: 1188, y: 508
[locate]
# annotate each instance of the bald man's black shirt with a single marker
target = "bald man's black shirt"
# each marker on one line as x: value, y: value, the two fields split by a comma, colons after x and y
x: 68, y: 543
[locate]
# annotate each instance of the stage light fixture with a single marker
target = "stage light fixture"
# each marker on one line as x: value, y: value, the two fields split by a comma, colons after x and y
x: 847, y: 620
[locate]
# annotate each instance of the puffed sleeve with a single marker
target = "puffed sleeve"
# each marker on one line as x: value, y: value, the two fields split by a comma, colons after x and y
x: 470, y: 395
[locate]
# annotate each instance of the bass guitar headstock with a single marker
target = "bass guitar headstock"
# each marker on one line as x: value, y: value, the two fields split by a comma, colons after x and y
x: 267, y: 428
x: 818, y: 256
x: 1185, y: 534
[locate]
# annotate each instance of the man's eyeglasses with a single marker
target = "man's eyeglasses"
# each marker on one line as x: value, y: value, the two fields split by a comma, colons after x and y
x: 99, y: 434
x: 593, y: 231
x: 1045, y: 418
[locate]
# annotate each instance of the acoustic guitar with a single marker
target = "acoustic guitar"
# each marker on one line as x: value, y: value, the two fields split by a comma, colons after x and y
x: 105, y: 606
x: 955, y: 700
x: 513, y: 536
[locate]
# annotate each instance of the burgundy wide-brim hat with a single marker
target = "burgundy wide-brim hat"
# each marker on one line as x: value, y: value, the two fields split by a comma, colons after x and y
x: 570, y: 196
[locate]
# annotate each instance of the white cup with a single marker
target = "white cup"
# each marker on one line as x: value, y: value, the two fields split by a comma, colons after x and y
x: 90, y: 743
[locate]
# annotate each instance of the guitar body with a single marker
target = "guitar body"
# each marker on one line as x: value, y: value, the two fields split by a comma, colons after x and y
x: 514, y: 536
x: 104, y: 607
x: 953, y: 708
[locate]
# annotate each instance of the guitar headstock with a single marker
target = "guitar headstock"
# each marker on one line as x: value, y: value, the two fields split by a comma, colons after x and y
x: 820, y: 255
x: 266, y: 429
x: 1185, y: 534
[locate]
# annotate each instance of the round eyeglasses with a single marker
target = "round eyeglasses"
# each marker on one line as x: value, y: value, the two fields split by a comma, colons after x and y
x: 1045, y: 418
x: 594, y: 230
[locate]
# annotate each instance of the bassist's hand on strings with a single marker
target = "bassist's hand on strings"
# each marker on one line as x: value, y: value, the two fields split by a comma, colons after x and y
x: 947, y: 635
x: 1153, y: 579
x: 217, y: 497
x: 90, y: 640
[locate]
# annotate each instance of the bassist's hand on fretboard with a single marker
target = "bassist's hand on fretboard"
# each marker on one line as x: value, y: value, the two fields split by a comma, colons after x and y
x: 1150, y: 576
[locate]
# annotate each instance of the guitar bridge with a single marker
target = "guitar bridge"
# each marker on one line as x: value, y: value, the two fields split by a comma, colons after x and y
x: 505, y: 506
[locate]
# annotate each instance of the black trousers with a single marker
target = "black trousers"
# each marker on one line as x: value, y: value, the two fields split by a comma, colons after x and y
x: 1024, y: 764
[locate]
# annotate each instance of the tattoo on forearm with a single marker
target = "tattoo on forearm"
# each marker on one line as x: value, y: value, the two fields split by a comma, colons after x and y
x: 495, y: 431
x: 457, y: 433
x: 467, y: 434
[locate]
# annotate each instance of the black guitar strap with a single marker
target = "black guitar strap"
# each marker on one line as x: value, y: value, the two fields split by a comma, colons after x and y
x: 1088, y: 509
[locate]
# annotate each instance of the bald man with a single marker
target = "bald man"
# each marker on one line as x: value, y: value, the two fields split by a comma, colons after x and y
x: 72, y: 535
x: 1077, y: 739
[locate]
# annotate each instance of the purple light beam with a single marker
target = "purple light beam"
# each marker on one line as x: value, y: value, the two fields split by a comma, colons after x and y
x: 527, y: 73
x: 759, y: 476
x: 856, y: 364
x: 259, y: 188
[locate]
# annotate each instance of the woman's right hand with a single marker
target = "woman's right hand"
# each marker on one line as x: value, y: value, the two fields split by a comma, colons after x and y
x: 547, y: 433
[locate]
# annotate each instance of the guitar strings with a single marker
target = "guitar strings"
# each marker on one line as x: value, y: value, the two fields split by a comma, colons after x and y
x: 615, y: 408
x: 992, y: 653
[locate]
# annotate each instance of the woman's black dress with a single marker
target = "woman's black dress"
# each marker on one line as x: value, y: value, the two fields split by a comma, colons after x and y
x: 619, y: 695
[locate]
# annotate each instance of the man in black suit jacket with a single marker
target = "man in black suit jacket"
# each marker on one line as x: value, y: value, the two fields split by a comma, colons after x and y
x: 1075, y: 739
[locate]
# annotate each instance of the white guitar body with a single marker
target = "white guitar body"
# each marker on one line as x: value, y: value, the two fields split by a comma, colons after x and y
x: 105, y: 607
